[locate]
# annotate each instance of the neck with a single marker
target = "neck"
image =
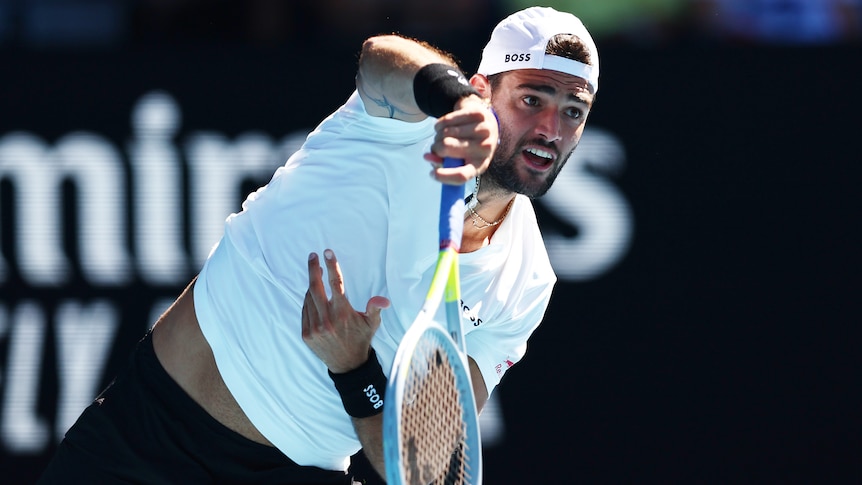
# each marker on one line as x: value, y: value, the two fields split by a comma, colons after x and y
x: 490, y: 206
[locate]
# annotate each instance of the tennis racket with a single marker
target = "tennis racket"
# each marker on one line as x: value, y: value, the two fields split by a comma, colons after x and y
x: 430, y: 422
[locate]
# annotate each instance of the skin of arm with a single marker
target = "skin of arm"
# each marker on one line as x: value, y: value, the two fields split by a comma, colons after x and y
x: 341, y: 337
x: 387, y: 66
x: 384, y: 80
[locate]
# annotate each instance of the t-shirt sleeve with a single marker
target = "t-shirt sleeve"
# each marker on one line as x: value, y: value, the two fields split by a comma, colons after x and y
x: 499, y: 344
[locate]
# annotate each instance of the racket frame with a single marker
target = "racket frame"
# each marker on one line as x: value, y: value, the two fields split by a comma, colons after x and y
x: 445, y: 288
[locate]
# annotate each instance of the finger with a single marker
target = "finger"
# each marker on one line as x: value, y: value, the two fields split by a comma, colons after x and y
x: 461, y: 117
x: 373, y: 309
x: 338, y: 303
x: 316, y: 289
x: 456, y: 175
x: 313, y: 271
x: 306, y: 320
x: 333, y: 269
x: 473, y: 126
x: 311, y: 321
x: 464, y: 131
x: 433, y: 159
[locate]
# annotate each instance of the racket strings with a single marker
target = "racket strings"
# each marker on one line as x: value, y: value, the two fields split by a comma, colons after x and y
x: 432, y: 424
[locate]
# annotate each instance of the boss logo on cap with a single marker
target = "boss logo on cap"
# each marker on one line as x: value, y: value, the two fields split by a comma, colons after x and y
x: 524, y: 57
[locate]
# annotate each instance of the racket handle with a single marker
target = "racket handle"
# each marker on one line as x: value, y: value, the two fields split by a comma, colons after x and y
x: 451, y: 210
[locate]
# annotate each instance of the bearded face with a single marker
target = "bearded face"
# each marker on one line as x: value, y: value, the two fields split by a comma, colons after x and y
x: 543, y: 163
x: 542, y: 115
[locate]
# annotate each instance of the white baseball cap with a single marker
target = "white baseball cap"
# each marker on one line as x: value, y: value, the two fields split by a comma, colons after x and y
x: 519, y: 42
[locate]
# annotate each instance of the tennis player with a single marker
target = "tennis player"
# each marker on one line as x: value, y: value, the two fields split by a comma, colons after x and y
x: 261, y: 372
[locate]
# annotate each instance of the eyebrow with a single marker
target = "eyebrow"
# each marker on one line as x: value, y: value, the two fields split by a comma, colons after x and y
x: 550, y: 90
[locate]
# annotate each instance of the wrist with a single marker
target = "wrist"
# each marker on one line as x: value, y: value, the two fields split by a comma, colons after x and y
x: 362, y: 389
x: 438, y: 88
x: 472, y: 99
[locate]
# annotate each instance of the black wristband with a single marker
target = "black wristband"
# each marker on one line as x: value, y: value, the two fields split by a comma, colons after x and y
x: 362, y: 389
x: 437, y: 87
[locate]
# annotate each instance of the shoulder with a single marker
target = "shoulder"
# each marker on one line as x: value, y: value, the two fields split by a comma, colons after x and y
x: 353, y: 123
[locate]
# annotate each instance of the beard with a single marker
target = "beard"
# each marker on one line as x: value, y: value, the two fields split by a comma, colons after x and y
x: 503, y: 171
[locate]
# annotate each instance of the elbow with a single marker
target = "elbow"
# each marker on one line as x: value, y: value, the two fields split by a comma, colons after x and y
x: 378, y: 41
x: 372, y: 51
x: 369, y: 45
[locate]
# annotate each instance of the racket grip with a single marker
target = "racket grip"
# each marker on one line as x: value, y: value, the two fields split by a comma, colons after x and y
x: 451, y: 210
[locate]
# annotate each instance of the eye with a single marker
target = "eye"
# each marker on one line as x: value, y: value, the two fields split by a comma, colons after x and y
x: 531, y: 100
x: 574, y: 113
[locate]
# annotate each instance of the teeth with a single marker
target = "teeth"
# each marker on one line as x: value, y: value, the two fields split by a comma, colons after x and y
x: 540, y: 153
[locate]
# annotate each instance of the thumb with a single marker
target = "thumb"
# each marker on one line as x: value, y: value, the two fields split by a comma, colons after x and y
x: 375, y: 305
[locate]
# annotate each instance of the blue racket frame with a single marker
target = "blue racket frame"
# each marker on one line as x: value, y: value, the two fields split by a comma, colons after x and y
x: 450, y: 340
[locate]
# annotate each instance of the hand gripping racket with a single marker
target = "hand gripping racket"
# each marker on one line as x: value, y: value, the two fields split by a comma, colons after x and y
x: 430, y: 422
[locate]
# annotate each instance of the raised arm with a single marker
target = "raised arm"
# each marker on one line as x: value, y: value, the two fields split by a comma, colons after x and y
x: 387, y: 66
x: 466, y: 126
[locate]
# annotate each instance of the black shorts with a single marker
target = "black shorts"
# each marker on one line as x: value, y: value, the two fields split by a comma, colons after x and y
x: 145, y: 429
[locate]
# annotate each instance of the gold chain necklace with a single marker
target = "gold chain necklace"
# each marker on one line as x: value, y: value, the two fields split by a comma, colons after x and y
x: 473, y: 201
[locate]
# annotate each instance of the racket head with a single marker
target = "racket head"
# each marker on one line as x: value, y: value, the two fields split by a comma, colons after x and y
x: 430, y: 422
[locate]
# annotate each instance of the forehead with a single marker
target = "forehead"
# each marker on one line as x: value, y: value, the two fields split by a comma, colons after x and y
x: 562, y: 83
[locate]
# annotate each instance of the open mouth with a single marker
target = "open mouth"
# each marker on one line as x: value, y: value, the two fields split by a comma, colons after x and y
x: 538, y: 158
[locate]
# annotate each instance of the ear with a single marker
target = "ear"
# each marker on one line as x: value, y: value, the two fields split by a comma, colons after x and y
x: 480, y: 82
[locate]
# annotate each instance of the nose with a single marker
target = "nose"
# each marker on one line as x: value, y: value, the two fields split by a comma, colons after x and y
x: 548, y: 126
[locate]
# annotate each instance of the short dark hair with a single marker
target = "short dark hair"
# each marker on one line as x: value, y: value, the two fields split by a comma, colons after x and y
x: 570, y: 47
x: 562, y: 45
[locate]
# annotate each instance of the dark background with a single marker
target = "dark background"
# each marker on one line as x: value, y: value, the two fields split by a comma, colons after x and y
x: 723, y: 348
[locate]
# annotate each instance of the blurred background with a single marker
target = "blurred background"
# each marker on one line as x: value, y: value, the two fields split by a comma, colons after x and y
x: 706, y: 233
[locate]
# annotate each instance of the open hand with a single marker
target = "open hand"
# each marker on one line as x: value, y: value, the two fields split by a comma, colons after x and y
x: 339, y: 335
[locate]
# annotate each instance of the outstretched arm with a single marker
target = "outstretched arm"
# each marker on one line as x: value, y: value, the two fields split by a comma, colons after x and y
x: 388, y: 65
x: 341, y: 337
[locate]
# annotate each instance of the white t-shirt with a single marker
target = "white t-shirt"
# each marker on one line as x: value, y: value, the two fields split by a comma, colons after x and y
x: 359, y: 186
